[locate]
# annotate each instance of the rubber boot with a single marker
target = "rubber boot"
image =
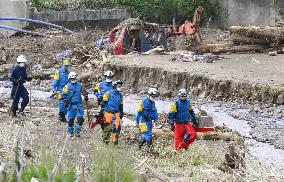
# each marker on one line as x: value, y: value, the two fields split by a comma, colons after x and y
x: 70, y: 131
x: 149, y: 143
x: 22, y: 112
x: 141, y: 143
x: 78, y: 129
x: 61, y: 117
x: 14, y: 115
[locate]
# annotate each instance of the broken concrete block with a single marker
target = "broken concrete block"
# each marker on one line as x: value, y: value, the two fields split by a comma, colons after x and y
x: 280, y: 99
x: 272, y: 53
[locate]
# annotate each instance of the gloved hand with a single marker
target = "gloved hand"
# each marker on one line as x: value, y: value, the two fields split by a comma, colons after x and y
x: 195, y: 122
x: 121, y: 114
x: 86, y: 98
x: 98, y: 116
x: 20, y: 81
x: 100, y: 100
x: 66, y: 103
x: 29, y: 79
x: 172, y: 126
x: 103, y: 126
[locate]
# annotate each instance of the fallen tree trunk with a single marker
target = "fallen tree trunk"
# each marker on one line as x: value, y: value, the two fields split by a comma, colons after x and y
x: 202, y: 136
x: 275, y: 34
x: 238, y: 40
x: 224, y: 48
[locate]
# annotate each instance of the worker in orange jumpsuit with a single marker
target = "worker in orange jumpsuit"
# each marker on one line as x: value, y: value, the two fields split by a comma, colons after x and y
x: 112, y: 109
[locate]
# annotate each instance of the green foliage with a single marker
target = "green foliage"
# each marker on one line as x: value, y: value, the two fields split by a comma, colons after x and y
x: 161, y: 11
x: 41, y: 173
x: 112, y: 165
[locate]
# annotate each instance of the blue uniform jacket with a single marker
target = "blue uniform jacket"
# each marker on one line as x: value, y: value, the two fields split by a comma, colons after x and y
x: 146, y: 111
x: 60, y: 79
x: 73, y: 93
x: 102, y: 88
x: 181, y: 111
x: 113, y: 102
x: 19, y: 74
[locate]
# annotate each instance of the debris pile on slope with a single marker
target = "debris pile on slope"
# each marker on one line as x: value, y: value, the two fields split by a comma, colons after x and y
x: 86, y: 55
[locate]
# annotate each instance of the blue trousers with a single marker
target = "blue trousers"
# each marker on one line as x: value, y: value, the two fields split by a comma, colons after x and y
x: 148, y: 134
x: 72, y: 112
x: 61, y: 107
x: 21, y: 93
x: 75, y: 111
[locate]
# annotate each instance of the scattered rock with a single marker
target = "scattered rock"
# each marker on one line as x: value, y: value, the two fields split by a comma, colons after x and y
x: 280, y: 99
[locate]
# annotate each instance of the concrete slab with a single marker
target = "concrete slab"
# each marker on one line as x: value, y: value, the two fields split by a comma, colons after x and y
x: 13, y: 8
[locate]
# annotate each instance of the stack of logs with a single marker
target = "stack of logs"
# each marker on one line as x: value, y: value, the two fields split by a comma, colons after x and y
x: 248, y: 39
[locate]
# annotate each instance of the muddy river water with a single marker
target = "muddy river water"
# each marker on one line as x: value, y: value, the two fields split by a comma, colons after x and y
x: 264, y: 152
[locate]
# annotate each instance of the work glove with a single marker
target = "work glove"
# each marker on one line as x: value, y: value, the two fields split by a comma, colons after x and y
x: 195, y: 122
x: 103, y: 126
x: 66, y: 103
x: 172, y: 126
x: 86, y: 98
x: 20, y: 81
x: 29, y: 79
x: 53, y: 95
x: 121, y: 114
x: 100, y: 100
x: 98, y: 116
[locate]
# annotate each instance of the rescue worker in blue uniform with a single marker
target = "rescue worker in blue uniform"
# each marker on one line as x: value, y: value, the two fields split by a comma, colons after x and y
x: 100, y: 90
x: 104, y: 86
x: 146, y: 116
x: 182, y: 119
x: 59, y: 81
x: 18, y: 77
x: 72, y: 97
x: 112, y: 109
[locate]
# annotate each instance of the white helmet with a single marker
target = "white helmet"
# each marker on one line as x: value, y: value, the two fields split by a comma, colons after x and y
x: 109, y: 73
x: 182, y: 92
x: 72, y: 75
x: 21, y: 59
x: 153, y: 91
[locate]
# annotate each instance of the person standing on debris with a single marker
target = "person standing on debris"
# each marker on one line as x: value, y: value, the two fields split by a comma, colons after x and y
x: 112, y: 109
x: 60, y: 80
x: 182, y: 119
x: 18, y: 77
x: 100, y: 90
x: 147, y: 115
x: 72, y: 98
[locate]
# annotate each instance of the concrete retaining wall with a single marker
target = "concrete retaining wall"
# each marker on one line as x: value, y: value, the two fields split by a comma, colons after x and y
x: 253, y: 12
x: 13, y: 8
x: 82, y: 17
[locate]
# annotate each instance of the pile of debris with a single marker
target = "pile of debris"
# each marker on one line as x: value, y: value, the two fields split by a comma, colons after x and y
x: 267, y: 37
x: 191, y: 56
x: 136, y: 22
x: 85, y: 54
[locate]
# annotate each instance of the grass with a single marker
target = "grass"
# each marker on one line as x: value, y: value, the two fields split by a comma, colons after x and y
x: 44, y: 170
x: 112, y: 164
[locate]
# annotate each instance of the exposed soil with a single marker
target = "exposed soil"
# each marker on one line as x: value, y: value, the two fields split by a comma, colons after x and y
x: 41, y: 49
